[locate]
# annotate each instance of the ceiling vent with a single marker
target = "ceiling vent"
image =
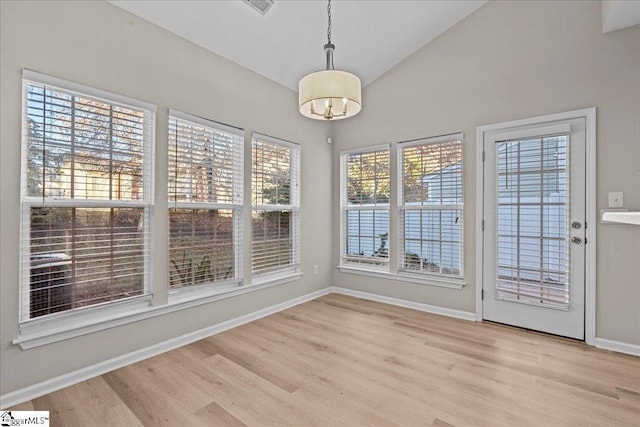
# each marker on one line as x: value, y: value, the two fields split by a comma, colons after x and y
x: 261, y: 6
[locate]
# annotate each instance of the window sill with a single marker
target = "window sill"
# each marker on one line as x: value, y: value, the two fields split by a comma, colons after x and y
x: 39, y: 332
x: 187, y: 298
x: 70, y: 324
x: 451, y: 283
x: 276, y: 278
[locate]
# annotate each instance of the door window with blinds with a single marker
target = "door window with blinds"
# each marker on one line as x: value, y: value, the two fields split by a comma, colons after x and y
x: 205, y: 201
x: 532, y: 258
x: 275, y: 217
x: 85, y: 197
x: 430, y: 206
x: 365, y: 187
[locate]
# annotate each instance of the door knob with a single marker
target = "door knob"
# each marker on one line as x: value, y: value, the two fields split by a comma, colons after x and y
x: 576, y: 240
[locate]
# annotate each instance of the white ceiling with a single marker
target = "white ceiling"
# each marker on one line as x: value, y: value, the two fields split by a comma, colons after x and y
x: 371, y: 36
x: 619, y: 14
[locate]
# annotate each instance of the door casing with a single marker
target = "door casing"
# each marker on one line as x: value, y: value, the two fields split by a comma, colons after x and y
x: 589, y: 115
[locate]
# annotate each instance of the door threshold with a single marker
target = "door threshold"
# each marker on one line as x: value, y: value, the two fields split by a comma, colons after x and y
x: 548, y: 334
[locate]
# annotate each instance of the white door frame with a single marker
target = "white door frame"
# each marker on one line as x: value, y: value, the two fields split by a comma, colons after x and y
x: 589, y: 114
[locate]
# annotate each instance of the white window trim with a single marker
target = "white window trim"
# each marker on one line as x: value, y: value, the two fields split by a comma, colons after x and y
x: 79, y: 89
x: 432, y: 277
x: 388, y: 272
x: 65, y: 325
x: 273, y: 140
x: 344, y: 208
x: 456, y: 136
x: 278, y: 277
x: 203, y: 290
x: 47, y: 325
x: 45, y: 329
x: 421, y: 279
x: 292, y: 271
x: 367, y: 149
x: 82, y: 321
x: 206, y: 122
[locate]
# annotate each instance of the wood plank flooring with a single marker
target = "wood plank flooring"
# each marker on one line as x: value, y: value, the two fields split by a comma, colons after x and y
x: 342, y: 361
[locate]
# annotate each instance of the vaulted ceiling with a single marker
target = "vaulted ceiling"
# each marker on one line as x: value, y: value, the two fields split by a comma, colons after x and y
x: 287, y: 42
x: 371, y: 36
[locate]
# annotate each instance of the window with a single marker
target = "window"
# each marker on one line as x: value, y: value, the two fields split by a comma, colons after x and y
x: 85, y: 197
x: 365, y: 194
x: 430, y: 206
x: 275, y: 217
x: 205, y: 201
x: 532, y: 261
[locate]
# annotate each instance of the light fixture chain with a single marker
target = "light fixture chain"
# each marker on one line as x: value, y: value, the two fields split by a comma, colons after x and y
x: 329, y: 27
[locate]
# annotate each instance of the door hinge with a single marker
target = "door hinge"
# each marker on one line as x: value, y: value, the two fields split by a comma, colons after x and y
x: 482, y: 226
x: 482, y: 294
x: 483, y: 155
x: 585, y: 240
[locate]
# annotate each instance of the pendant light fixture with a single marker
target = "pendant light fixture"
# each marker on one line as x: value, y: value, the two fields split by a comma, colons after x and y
x: 329, y: 94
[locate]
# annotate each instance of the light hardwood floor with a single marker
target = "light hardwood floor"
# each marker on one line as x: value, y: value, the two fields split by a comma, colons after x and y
x: 342, y: 361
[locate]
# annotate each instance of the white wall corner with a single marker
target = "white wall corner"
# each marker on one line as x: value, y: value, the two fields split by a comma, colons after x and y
x: 619, y: 14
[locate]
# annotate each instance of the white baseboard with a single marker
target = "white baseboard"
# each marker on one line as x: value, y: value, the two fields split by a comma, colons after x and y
x: 66, y: 380
x: 458, y: 314
x: 618, y: 346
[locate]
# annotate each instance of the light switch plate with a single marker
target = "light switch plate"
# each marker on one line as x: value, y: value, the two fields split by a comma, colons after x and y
x: 616, y: 199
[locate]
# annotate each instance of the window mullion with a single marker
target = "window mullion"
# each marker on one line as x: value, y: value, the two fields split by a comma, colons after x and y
x: 72, y: 148
x: 392, y: 215
x: 110, y: 138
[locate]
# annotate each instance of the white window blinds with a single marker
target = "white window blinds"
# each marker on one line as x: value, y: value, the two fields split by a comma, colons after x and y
x: 205, y: 201
x: 365, y: 207
x: 430, y: 205
x: 275, y: 214
x: 85, y: 197
x: 532, y: 216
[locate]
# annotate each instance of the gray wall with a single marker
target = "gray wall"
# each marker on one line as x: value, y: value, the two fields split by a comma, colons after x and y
x: 508, y: 61
x: 102, y: 46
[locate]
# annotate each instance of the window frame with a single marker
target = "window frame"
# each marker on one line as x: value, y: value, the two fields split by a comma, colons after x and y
x: 394, y: 272
x: 402, y: 207
x: 105, y: 309
x: 156, y: 300
x: 293, y: 269
x: 236, y: 206
x: 345, y: 208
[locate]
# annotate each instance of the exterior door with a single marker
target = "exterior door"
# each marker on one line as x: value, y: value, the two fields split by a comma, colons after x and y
x: 534, y: 227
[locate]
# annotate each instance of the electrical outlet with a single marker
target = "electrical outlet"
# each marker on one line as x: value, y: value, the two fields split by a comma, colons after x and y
x: 616, y: 199
x: 316, y: 270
